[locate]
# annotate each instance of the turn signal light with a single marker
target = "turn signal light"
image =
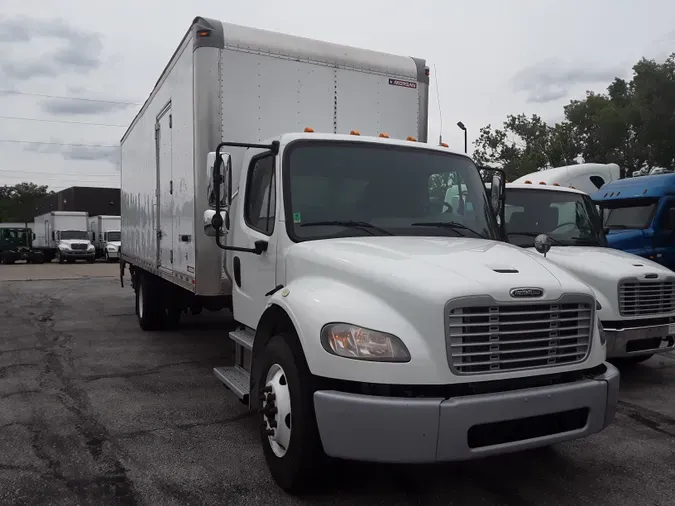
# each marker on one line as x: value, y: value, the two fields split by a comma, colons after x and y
x: 542, y: 182
x: 444, y: 145
x: 556, y: 184
x: 528, y: 182
x: 411, y: 138
x: 309, y: 130
x: 354, y: 132
x: 383, y: 135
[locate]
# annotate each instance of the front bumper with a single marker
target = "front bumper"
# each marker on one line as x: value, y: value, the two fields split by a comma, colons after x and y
x: 640, y: 340
x: 415, y: 430
x: 113, y: 253
x: 79, y: 254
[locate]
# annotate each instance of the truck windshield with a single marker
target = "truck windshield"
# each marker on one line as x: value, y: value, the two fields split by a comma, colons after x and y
x: 620, y: 214
x: 341, y: 189
x: 114, y: 236
x: 569, y: 219
x: 74, y: 234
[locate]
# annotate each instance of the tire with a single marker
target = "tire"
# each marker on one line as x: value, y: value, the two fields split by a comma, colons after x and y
x: 107, y: 257
x: 149, y: 308
x: 91, y: 260
x: 298, y: 464
x: 61, y: 258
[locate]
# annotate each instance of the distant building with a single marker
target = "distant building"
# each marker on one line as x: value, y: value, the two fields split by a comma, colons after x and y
x: 93, y: 200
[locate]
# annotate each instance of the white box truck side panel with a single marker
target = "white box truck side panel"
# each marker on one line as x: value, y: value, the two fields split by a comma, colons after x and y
x: 42, y: 229
x: 158, y: 176
x: 63, y: 220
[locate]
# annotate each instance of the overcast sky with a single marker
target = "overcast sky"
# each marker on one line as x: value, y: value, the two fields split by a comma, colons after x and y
x: 492, y: 57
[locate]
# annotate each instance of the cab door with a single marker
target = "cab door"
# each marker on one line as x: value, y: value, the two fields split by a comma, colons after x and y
x: 664, y: 233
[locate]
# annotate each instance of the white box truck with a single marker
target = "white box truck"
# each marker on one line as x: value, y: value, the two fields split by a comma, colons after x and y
x: 636, y: 297
x: 373, y: 321
x: 106, y: 236
x: 63, y: 235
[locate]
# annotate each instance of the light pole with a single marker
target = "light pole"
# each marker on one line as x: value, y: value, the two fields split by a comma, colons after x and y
x: 463, y: 128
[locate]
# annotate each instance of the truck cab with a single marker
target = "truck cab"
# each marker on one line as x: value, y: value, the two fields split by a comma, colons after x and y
x: 636, y: 296
x: 363, y: 295
x: 587, y: 177
x: 72, y: 245
x: 638, y: 215
x: 111, y: 241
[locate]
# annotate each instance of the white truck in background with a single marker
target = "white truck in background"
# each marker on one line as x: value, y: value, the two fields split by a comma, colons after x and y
x: 636, y: 297
x: 106, y: 236
x: 63, y: 235
x: 587, y: 177
x: 373, y: 322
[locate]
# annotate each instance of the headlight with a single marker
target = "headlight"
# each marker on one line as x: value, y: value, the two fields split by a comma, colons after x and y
x: 90, y: 247
x: 111, y: 247
x: 351, y: 341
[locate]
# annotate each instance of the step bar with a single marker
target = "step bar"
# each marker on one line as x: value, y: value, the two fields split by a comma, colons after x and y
x: 236, y: 378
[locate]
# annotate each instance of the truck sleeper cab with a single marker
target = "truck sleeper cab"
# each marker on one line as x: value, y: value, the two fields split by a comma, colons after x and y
x: 636, y: 296
x: 370, y: 300
x: 638, y: 215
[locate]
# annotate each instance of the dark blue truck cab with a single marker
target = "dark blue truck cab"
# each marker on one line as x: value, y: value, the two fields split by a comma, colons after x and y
x: 638, y: 215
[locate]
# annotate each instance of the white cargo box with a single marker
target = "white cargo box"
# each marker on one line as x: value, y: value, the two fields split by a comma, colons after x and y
x: 227, y: 82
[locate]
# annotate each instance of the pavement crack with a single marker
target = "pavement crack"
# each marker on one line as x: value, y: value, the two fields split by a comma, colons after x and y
x: 19, y: 350
x: 648, y: 418
x: 22, y: 392
x: 184, y: 426
x: 144, y: 372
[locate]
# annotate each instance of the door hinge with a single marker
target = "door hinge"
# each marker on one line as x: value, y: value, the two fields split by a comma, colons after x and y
x: 170, y: 120
x: 171, y: 255
x: 170, y: 187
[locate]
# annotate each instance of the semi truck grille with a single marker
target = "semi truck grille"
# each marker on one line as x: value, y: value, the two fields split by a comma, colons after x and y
x: 638, y: 298
x: 509, y: 337
x: 78, y: 246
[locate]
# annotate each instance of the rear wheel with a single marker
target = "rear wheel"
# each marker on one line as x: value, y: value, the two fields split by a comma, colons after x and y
x: 148, y: 303
x: 288, y: 430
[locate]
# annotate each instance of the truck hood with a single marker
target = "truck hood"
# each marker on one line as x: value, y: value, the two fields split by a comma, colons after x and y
x: 606, y: 263
x: 117, y: 244
x: 433, y: 268
x: 628, y: 239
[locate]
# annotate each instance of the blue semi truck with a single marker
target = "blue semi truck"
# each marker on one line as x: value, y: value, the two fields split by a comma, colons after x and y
x: 638, y: 215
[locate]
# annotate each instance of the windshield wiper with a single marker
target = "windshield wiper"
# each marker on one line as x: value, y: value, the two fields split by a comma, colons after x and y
x: 364, y: 225
x: 535, y: 234
x: 447, y: 224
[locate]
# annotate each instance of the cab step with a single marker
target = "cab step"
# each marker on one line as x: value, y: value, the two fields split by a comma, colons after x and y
x: 236, y: 379
x: 243, y: 336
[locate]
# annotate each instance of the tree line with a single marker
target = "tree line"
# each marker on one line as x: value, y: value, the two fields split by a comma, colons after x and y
x: 632, y: 125
x: 14, y: 198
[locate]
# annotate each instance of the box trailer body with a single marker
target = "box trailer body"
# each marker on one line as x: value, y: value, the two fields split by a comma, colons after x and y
x: 18, y: 224
x: 244, y: 84
x: 63, y: 234
x: 284, y: 178
x: 105, y: 233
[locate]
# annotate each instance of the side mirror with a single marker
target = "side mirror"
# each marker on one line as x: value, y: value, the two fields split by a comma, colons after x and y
x: 33, y: 236
x: 209, y: 228
x: 542, y: 243
x: 225, y: 171
x: 496, y: 193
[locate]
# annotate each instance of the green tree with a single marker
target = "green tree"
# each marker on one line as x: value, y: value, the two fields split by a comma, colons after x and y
x: 526, y: 144
x: 14, y: 198
x: 631, y: 125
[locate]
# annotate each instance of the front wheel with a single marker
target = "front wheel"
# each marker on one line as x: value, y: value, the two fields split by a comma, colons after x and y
x: 288, y: 429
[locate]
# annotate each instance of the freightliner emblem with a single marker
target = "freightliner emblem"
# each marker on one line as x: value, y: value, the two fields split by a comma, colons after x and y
x: 526, y: 292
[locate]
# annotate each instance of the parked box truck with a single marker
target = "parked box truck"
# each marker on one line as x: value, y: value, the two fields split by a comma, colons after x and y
x: 106, y: 236
x: 63, y: 235
x: 290, y: 180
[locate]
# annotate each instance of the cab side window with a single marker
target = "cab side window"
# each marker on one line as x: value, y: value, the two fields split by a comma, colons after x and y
x: 260, y: 203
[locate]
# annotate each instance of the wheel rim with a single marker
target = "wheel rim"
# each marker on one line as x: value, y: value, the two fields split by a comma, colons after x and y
x: 277, y: 410
x: 140, y: 300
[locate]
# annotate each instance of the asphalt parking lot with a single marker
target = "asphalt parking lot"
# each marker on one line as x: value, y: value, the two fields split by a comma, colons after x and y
x: 95, y: 411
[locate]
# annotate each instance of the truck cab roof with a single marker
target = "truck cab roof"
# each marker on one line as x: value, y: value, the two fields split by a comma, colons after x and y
x: 552, y: 187
x: 637, y: 188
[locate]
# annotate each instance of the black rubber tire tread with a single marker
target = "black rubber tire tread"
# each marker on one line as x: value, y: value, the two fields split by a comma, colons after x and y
x: 152, y: 303
x: 303, y: 468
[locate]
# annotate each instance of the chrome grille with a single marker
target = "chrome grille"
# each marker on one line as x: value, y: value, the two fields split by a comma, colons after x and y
x: 638, y: 298
x: 487, y: 338
x: 78, y: 246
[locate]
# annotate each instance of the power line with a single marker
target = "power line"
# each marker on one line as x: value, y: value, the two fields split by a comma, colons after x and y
x: 68, y: 98
x: 63, y: 121
x: 60, y: 144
